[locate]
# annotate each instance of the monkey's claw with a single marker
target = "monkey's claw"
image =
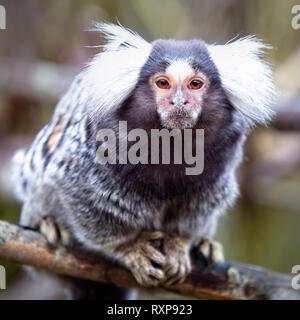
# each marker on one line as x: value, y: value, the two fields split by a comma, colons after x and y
x: 145, y: 261
x: 53, y: 234
x: 209, y: 250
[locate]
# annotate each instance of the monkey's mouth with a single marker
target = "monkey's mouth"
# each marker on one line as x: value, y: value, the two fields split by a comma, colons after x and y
x: 178, y: 120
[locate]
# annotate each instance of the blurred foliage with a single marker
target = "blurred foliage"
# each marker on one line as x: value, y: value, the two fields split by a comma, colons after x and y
x: 263, y: 228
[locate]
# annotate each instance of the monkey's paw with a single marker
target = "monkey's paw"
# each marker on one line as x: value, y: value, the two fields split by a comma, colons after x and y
x: 157, y: 258
x: 178, y: 262
x: 144, y: 260
x: 54, y: 234
x: 209, y: 250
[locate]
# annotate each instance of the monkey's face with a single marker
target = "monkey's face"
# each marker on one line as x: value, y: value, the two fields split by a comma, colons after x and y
x: 178, y: 93
x: 178, y: 87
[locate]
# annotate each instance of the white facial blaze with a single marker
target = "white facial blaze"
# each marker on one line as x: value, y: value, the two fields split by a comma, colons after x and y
x: 180, y: 70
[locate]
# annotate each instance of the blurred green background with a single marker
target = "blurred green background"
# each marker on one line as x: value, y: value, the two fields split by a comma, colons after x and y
x: 46, y: 44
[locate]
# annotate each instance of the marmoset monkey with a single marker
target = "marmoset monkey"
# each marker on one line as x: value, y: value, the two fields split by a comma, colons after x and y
x: 120, y: 209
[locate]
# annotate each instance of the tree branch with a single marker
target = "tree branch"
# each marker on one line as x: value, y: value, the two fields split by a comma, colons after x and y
x: 221, y: 281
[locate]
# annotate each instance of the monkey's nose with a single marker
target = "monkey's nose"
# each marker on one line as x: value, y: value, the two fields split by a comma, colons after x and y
x: 184, y: 102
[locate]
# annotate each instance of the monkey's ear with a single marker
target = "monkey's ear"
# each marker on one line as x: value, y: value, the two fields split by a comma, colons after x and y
x: 113, y: 73
x: 246, y: 78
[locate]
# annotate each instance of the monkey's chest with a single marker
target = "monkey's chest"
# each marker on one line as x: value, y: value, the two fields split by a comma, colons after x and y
x: 180, y: 215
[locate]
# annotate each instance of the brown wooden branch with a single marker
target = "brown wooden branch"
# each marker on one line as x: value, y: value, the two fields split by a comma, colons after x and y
x: 222, y: 281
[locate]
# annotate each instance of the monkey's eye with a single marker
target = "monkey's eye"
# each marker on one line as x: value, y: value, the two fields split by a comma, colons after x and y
x: 196, y: 84
x: 162, y: 84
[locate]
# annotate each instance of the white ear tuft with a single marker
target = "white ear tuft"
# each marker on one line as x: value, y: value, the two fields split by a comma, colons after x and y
x: 112, y: 74
x: 119, y: 37
x: 246, y: 78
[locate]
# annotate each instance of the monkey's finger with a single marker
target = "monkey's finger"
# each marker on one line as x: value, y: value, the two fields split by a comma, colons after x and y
x: 185, y: 272
x: 49, y: 230
x: 154, y: 255
x: 156, y: 235
x: 179, y: 276
x: 210, y: 249
x: 172, y: 281
x: 205, y: 249
x: 148, y: 277
x: 149, y: 282
x: 138, y: 277
x: 217, y: 252
x: 171, y: 271
x: 156, y: 273
x: 65, y: 237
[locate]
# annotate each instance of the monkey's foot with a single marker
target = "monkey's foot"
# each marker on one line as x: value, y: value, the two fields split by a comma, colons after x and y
x: 144, y: 260
x: 178, y: 262
x: 209, y: 250
x: 54, y: 234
